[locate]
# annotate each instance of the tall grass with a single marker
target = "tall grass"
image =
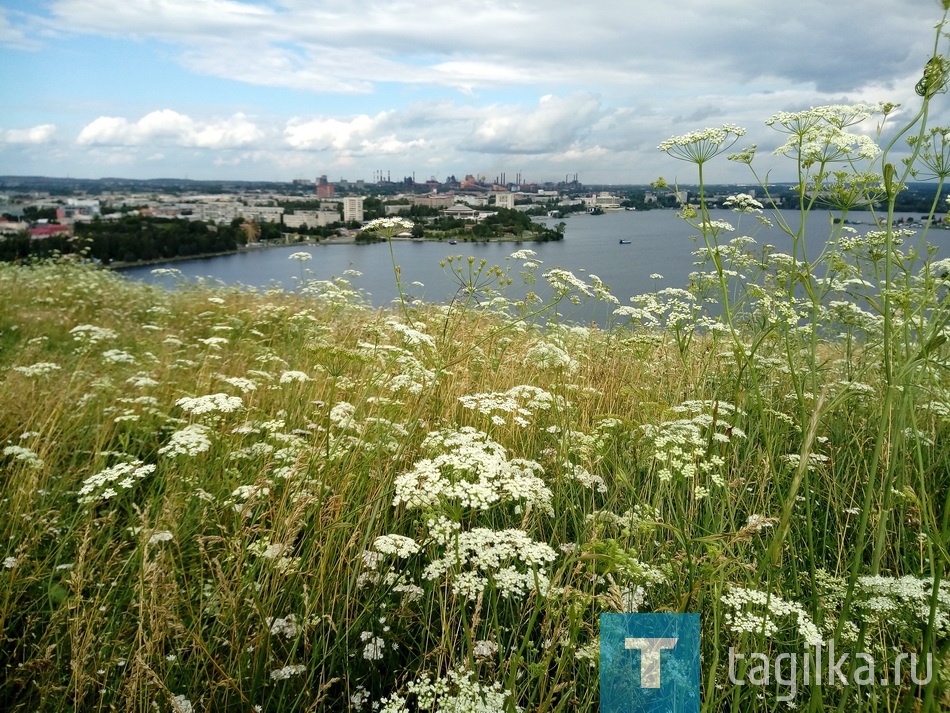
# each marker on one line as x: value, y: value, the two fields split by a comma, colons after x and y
x: 216, y: 499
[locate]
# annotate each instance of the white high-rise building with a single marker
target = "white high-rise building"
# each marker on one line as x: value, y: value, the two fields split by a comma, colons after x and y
x: 353, y: 209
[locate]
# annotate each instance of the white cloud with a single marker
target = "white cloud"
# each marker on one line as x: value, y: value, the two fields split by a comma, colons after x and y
x: 359, y: 135
x: 541, y: 86
x: 13, y: 36
x: 166, y: 126
x: 554, y: 125
x: 328, y: 46
x: 41, y: 134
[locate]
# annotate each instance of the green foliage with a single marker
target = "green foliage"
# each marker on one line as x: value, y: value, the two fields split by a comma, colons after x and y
x: 218, y: 500
x: 138, y: 238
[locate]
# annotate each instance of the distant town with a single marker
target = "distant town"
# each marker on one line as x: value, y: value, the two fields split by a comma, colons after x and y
x: 125, y: 221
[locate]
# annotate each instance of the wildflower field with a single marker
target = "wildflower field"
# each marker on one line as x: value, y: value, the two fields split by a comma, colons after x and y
x: 226, y: 500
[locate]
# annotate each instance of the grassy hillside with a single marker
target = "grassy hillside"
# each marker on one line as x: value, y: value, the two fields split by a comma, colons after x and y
x: 220, y: 499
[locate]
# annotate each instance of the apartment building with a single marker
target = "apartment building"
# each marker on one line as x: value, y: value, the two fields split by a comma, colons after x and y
x: 353, y: 209
x: 505, y: 200
x: 311, y: 218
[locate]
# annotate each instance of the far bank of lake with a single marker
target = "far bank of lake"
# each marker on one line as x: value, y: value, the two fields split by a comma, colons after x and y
x: 660, y: 243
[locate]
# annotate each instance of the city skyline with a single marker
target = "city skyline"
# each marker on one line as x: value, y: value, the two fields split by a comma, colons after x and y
x: 282, y: 90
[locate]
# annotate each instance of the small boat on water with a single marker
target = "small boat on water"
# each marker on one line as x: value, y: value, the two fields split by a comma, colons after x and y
x: 453, y: 242
x: 625, y: 242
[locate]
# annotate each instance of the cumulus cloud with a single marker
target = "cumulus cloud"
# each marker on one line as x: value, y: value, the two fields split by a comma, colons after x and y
x: 166, y: 126
x: 329, y: 46
x: 553, y: 125
x: 360, y: 134
x: 535, y: 85
x: 41, y: 134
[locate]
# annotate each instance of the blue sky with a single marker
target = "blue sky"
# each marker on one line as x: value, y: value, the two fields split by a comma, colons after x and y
x: 284, y: 89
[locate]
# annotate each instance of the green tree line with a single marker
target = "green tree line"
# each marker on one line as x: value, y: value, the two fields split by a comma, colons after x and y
x: 130, y: 239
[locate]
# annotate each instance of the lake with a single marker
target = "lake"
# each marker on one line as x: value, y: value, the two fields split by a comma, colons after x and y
x: 659, y: 244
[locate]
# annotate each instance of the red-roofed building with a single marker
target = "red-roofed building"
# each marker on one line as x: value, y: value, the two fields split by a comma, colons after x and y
x: 44, y: 230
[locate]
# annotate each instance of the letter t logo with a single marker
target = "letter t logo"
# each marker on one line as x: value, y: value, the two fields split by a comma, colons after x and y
x: 649, y: 658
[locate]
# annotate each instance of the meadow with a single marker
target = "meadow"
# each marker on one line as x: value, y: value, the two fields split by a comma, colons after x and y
x: 233, y: 500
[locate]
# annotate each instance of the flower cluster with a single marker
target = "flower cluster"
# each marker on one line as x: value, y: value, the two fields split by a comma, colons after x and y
x: 907, y: 598
x: 91, y: 334
x: 473, y: 560
x: 388, y: 227
x: 123, y: 475
x: 818, y: 136
x: 472, y: 471
x: 700, y: 146
x: 282, y: 674
x: 755, y: 612
x: 411, y: 337
x: 287, y: 626
x: 522, y: 402
x: 456, y: 692
x: 212, y: 403
x: 42, y: 368
x: 743, y: 203
x: 117, y: 356
x: 395, y: 545
x: 681, y: 448
x: 189, y: 441
x: 24, y: 455
x: 548, y: 356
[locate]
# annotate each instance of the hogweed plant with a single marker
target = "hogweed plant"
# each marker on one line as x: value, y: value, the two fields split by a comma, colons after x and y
x: 219, y: 499
x: 902, y: 319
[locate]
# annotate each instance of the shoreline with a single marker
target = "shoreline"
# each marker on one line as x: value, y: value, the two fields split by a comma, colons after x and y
x: 306, y: 243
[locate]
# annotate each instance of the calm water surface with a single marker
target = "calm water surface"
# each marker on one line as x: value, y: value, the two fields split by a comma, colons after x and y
x: 659, y: 244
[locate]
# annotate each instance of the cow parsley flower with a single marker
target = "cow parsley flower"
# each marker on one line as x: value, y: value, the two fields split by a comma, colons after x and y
x: 907, y: 598
x: 484, y: 648
x: 742, y: 203
x: 91, y: 334
x: 473, y: 560
x: 242, y: 384
x: 189, y: 441
x: 546, y: 355
x: 161, y: 536
x: 211, y: 403
x: 755, y: 612
x: 288, y: 627
x: 24, y: 455
x: 522, y: 402
x: 214, y: 342
x: 396, y: 545
x: 181, y: 704
x: 472, y: 471
x: 373, y: 648
x: 124, y: 475
x: 522, y: 255
x: 286, y: 672
x: 701, y: 146
x: 43, y: 368
x: 117, y: 356
x: 388, y: 227
x: 456, y: 692
x: 287, y: 377
x: 411, y: 337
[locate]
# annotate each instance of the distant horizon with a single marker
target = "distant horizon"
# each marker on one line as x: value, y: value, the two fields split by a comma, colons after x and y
x: 366, y: 183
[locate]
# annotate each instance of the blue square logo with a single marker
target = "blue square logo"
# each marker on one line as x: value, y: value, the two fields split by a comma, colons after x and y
x: 649, y: 663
